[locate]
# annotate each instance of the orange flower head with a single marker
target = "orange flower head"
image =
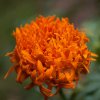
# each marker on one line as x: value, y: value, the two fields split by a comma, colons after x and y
x: 50, y: 52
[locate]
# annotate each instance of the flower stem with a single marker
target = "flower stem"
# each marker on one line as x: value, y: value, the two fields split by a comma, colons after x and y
x: 45, y: 98
x: 62, y: 95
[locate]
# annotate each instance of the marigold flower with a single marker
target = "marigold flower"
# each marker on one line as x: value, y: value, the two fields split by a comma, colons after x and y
x: 50, y: 52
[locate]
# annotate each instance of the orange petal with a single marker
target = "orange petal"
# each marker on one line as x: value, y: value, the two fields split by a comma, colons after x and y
x: 27, y: 56
x: 29, y: 86
x: 40, y: 67
x: 94, y: 55
x: 19, y: 75
x: 67, y: 85
x: 49, y: 72
x: 9, y: 71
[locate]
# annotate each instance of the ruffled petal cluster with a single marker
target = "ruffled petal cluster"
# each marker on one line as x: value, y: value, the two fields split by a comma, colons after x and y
x: 50, y: 52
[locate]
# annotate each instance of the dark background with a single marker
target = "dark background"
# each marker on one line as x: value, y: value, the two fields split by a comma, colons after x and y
x: 85, y: 14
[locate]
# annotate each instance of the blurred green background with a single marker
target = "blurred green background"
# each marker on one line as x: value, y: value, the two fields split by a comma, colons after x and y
x: 85, y: 14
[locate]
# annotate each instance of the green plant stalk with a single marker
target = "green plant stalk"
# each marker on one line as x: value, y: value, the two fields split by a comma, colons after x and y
x: 62, y: 95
